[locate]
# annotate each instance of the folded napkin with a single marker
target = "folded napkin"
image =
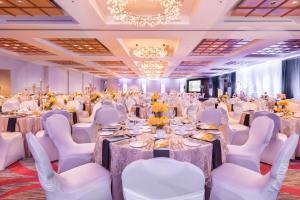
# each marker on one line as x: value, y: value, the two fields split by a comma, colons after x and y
x: 106, y: 150
x: 216, y: 153
x: 11, y: 125
x: 161, y: 149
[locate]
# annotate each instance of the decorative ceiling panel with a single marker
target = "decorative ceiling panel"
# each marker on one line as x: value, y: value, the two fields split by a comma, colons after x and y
x: 110, y: 63
x: 218, y: 47
x: 267, y: 8
x: 30, y: 8
x: 82, y: 45
x: 195, y: 63
x: 286, y: 47
x: 65, y: 62
x: 21, y: 47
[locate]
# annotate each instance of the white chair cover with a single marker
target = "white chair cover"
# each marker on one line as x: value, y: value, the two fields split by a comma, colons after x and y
x: 43, y: 137
x: 74, y: 104
x: 277, y: 140
x: 212, y: 116
x: 89, y: 181
x: 122, y: 112
x: 231, y: 181
x: 107, y: 115
x: 249, y: 154
x: 11, y: 148
x: 71, y: 154
x: 90, y: 119
x: 162, y: 179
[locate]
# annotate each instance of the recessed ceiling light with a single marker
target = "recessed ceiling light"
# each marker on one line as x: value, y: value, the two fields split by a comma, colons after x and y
x: 20, y: 1
x: 295, y: 2
x: 75, y: 45
x: 1, y: 2
x: 7, y: 45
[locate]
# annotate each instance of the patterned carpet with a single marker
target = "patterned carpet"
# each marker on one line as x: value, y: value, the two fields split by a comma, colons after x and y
x: 19, y: 181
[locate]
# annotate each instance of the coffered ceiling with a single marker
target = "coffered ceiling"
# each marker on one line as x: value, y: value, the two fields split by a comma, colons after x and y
x: 210, y: 37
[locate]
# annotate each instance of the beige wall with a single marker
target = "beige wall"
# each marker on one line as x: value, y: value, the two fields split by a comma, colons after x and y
x: 5, y: 85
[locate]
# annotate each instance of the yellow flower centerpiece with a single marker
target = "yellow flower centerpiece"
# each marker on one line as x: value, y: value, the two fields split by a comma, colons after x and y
x: 224, y: 98
x: 155, y: 97
x: 95, y: 97
x: 158, y: 120
x: 51, y: 101
x: 282, y: 106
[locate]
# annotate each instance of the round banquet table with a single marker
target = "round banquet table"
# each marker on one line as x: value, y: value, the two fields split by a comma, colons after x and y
x: 25, y: 124
x: 141, y: 111
x: 122, y: 154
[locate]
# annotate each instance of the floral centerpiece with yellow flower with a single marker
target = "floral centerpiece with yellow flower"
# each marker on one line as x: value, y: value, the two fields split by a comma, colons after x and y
x: 95, y: 97
x: 282, y: 106
x: 223, y: 98
x: 51, y: 101
x: 158, y: 119
x: 155, y: 97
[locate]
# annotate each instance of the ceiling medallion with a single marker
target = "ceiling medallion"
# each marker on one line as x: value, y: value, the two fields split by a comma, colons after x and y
x: 171, y: 11
x: 150, y: 52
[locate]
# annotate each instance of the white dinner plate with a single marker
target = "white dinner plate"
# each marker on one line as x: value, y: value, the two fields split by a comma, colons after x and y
x: 137, y: 144
x: 214, y: 132
x: 191, y: 143
x: 106, y: 133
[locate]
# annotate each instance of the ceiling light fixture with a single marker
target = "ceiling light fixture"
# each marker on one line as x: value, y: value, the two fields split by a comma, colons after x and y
x: 150, y: 52
x: 118, y: 8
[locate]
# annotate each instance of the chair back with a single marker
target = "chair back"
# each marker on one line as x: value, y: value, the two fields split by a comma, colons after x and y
x: 274, y: 117
x: 59, y: 130
x: 249, y: 106
x: 46, y: 115
x: 260, y: 134
x: 281, y: 164
x: 224, y: 106
x: 47, y: 177
x: 212, y: 116
x: 95, y: 108
x: 106, y: 115
x: 163, y: 178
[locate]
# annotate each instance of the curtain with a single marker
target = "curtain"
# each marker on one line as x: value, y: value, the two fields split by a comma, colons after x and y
x: 291, y: 78
x: 257, y: 79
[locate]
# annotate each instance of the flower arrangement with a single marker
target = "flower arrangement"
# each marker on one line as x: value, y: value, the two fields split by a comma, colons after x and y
x: 155, y: 96
x: 223, y: 98
x: 159, y: 107
x: 50, y: 94
x: 51, y: 101
x: 158, y: 120
x: 95, y: 97
x: 282, y: 106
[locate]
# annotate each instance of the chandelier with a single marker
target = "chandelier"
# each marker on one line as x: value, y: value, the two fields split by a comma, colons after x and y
x: 150, y: 52
x: 171, y: 12
x: 153, y: 68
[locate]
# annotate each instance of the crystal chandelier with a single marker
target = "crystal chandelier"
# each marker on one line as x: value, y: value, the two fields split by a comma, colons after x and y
x: 171, y: 12
x: 153, y: 68
x: 150, y: 52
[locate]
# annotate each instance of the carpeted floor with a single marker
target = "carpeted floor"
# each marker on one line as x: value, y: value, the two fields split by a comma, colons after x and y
x: 19, y: 181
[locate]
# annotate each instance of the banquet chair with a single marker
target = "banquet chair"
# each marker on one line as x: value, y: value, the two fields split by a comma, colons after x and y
x: 192, y: 110
x: 277, y: 139
x: 90, y: 119
x: 231, y: 181
x: 232, y: 117
x: 89, y: 181
x: 43, y: 137
x: 248, y: 155
x: 162, y: 179
x: 106, y: 116
x: 74, y: 104
x: 71, y: 154
x: 212, y: 116
x: 11, y: 148
x: 235, y: 134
